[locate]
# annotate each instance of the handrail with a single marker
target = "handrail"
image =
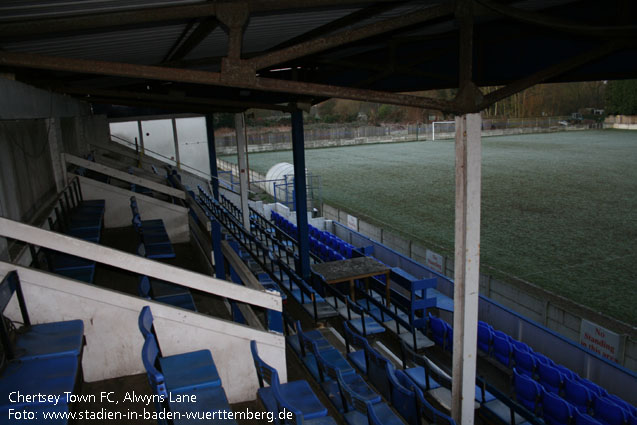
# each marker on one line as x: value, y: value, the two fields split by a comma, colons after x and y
x: 112, y: 257
x: 121, y: 175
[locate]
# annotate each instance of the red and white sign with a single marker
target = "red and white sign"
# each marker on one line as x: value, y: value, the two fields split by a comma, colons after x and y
x: 434, y: 261
x: 352, y: 222
x: 599, y: 340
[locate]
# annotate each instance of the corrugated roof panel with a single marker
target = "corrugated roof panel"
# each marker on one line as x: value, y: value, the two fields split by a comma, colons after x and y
x: 264, y: 32
x: 140, y: 46
x: 18, y: 9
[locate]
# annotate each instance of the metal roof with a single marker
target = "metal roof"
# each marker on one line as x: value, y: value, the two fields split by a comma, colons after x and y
x: 300, y: 50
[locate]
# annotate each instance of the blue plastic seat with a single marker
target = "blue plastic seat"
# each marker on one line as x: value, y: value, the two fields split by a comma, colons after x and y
x: 297, y: 393
x: 363, y: 324
x: 403, y: 396
x: 40, y: 341
x: 581, y: 418
x: 209, y: 399
x: 360, y: 409
x: 438, y: 330
x: 485, y: 337
x: 608, y: 412
x: 502, y: 348
x: 524, y: 361
x: 47, y: 340
x: 595, y: 389
x: 359, y: 357
x: 180, y: 372
x: 50, y: 376
x: 378, y: 374
x: 189, y: 370
x: 295, y: 415
x: 577, y: 394
x: 527, y: 391
x: 555, y: 410
x: 550, y: 377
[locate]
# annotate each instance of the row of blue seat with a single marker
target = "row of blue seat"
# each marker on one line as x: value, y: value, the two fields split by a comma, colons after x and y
x: 177, y: 378
x: 39, y: 359
x: 554, y: 378
x: 154, y: 243
x: 326, y: 246
x: 79, y: 218
x: 557, y: 410
x: 153, y: 238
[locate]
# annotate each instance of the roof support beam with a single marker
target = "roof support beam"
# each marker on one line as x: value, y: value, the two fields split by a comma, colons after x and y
x: 27, y: 60
x: 202, y: 31
x: 168, y: 98
x: 350, y: 36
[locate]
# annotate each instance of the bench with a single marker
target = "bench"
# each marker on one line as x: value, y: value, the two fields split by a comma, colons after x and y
x: 153, y: 238
x: 41, y: 358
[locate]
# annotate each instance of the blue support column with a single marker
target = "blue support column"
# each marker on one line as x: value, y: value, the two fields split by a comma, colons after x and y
x: 212, y: 155
x: 300, y: 193
x: 215, y: 227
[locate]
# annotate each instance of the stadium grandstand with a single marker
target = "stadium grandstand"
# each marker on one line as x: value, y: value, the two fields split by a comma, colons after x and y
x: 135, y: 291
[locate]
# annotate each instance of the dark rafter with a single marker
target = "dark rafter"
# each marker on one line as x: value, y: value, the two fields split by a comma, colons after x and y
x: 169, y: 98
x: 203, y: 30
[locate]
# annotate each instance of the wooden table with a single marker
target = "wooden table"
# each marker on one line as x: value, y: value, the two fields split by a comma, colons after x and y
x: 350, y: 270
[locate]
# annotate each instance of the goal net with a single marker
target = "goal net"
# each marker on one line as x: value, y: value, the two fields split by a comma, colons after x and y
x: 443, y: 129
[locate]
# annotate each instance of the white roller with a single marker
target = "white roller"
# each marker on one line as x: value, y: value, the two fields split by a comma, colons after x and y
x: 278, y: 172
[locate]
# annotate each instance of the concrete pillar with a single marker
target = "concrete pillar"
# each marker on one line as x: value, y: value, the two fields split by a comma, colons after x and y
x: 467, y: 267
x: 300, y: 193
x: 240, y: 126
x: 215, y: 226
x: 54, y: 138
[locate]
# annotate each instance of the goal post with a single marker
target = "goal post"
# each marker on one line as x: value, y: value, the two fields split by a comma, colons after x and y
x: 443, y: 127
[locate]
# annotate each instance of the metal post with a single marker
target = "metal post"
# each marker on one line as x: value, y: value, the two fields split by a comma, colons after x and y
x: 467, y: 266
x: 212, y: 155
x: 215, y: 226
x: 141, y: 137
x: 239, y: 122
x: 300, y: 192
x: 176, y: 140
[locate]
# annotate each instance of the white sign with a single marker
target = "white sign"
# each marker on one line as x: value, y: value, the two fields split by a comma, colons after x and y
x: 599, y: 340
x: 434, y: 261
x: 352, y: 222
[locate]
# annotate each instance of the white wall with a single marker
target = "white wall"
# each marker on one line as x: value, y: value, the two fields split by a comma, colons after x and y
x: 114, y: 343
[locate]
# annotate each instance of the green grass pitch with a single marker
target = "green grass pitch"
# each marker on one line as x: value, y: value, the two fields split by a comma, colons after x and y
x: 558, y: 210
